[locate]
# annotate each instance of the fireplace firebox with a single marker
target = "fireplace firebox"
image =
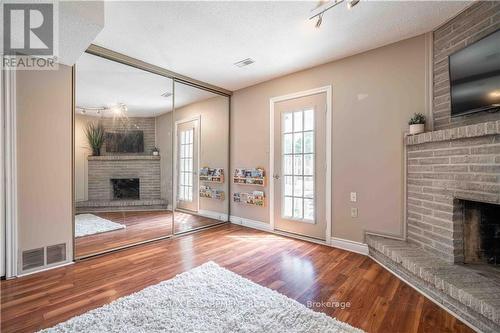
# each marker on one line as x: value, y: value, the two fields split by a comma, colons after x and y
x: 481, y: 233
x: 126, y: 188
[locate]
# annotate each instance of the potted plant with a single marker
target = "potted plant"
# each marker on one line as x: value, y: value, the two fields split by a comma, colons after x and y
x: 155, y: 151
x: 95, y: 137
x: 417, y: 124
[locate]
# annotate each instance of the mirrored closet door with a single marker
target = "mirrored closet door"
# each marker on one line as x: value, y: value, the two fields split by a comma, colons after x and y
x: 201, y: 158
x: 123, y: 148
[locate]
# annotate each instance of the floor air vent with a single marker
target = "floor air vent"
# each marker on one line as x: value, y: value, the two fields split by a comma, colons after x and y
x: 33, y: 258
x: 56, y: 253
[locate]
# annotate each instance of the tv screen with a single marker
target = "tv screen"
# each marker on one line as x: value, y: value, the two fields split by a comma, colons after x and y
x: 124, y: 142
x: 475, y: 76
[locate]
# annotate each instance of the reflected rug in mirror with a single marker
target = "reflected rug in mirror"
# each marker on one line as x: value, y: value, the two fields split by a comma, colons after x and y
x: 90, y: 224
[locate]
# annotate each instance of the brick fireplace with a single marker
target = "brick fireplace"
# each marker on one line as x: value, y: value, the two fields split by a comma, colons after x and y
x: 447, y: 168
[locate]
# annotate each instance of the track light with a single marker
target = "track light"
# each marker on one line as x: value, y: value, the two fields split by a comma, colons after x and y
x: 352, y: 3
x: 320, y: 20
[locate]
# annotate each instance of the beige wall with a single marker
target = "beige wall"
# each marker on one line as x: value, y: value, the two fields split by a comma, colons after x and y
x: 164, y: 144
x: 44, y: 158
x: 374, y: 94
x: 214, y: 131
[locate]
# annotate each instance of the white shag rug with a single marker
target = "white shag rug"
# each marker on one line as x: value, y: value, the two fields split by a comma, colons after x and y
x: 205, y: 299
x: 89, y: 224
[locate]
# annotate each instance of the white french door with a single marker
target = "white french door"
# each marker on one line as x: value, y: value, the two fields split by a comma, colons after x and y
x: 300, y: 165
x: 187, y: 165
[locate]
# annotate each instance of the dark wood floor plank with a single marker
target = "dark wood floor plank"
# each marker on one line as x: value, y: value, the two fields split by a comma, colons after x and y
x: 307, y: 272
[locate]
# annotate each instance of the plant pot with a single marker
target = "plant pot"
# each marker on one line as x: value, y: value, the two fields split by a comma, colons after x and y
x: 155, y: 153
x: 417, y: 129
x: 96, y: 152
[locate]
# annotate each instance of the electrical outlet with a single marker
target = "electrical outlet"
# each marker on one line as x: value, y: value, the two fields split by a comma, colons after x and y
x: 354, y: 212
x: 354, y: 197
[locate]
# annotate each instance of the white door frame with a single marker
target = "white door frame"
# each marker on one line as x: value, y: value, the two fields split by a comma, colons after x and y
x: 8, y: 170
x: 198, y: 142
x: 328, y: 196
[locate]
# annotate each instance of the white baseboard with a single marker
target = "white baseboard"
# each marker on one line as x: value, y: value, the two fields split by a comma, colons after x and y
x: 340, y: 243
x: 250, y: 223
x: 213, y: 215
x: 349, y: 245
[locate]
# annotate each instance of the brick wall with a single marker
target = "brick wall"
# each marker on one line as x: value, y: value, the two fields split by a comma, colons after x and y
x: 102, y: 169
x: 477, y: 21
x: 444, y: 168
x: 147, y: 125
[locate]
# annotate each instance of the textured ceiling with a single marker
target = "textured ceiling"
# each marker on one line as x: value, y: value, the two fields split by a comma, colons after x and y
x: 203, y: 39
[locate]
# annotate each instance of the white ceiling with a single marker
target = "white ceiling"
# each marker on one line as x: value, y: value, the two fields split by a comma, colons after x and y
x: 204, y: 39
x: 101, y: 83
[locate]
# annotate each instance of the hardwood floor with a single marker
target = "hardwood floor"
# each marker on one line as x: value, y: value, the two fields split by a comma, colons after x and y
x: 141, y: 226
x: 307, y: 272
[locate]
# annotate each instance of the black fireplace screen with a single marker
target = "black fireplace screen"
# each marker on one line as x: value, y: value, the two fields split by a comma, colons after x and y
x: 127, y: 188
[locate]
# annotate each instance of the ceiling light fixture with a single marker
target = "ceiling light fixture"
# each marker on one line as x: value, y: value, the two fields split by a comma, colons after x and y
x: 244, y: 62
x: 352, y: 3
x: 322, y: 8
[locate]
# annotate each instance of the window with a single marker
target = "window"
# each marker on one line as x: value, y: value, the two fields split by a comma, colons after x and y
x: 297, y: 165
x: 186, y: 165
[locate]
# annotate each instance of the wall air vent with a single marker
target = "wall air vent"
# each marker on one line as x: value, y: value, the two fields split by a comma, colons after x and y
x: 56, y: 253
x: 244, y: 62
x: 33, y: 258
x: 166, y: 94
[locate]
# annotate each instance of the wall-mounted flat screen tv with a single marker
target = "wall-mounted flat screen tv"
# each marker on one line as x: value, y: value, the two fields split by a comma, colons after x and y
x: 475, y: 76
x: 124, y: 142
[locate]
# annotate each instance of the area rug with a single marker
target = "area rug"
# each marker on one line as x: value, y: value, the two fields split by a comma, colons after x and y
x: 205, y: 299
x: 90, y: 224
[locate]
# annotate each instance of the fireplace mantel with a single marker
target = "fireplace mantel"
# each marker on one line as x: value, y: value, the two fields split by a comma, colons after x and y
x: 462, y: 132
x: 123, y: 158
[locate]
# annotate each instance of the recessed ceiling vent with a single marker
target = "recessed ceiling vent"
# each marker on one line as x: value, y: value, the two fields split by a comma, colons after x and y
x: 244, y: 62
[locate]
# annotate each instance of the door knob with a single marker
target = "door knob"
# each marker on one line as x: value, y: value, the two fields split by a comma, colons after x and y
x: 276, y: 176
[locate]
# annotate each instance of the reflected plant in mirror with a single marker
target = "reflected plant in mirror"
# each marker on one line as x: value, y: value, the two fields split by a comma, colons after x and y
x: 95, y: 137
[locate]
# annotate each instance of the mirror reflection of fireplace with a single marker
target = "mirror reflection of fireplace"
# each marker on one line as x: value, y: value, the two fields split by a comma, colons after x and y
x: 481, y: 233
x: 126, y: 189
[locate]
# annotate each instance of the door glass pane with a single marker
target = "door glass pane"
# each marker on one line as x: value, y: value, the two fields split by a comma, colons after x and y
x: 309, y: 142
x: 287, y: 143
x: 309, y: 209
x: 297, y: 121
x: 288, y: 165
x: 308, y: 120
x: 287, y: 123
x: 288, y: 185
x: 309, y: 164
x: 297, y: 208
x: 298, y: 159
x: 297, y: 143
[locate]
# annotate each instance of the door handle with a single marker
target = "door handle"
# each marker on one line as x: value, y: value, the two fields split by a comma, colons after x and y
x: 276, y: 177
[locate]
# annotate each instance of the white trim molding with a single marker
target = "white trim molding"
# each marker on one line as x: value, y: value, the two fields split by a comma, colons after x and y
x: 349, y: 245
x: 329, y: 152
x: 10, y: 171
x: 250, y: 223
x: 213, y: 215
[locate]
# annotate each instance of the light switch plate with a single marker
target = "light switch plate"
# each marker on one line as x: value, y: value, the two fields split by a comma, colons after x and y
x: 354, y: 212
x: 354, y: 197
